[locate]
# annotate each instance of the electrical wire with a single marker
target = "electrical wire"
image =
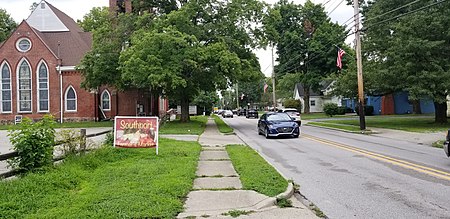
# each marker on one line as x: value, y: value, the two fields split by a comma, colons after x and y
x: 335, y: 8
x: 393, y: 10
x: 404, y: 14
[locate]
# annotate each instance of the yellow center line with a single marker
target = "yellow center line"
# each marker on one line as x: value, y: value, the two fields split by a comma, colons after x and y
x: 419, y: 168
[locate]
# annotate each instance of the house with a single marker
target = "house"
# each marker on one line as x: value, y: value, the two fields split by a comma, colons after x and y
x: 38, y: 74
x: 316, y: 99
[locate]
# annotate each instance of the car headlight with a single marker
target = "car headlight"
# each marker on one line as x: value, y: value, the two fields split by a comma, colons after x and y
x: 270, y: 126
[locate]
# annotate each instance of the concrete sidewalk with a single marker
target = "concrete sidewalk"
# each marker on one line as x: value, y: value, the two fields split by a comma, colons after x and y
x: 218, y: 190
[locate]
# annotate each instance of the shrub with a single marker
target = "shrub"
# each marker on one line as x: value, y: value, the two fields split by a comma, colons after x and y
x: 330, y: 109
x: 70, y: 141
x: 341, y: 110
x: 109, y: 139
x: 34, y: 144
x: 291, y: 103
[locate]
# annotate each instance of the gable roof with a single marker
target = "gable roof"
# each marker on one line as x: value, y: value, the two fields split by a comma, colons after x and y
x: 60, y: 33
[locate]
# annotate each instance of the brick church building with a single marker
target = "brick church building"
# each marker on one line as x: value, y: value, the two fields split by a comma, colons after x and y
x: 38, y: 75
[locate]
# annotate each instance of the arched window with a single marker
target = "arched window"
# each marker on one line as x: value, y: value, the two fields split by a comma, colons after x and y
x: 71, y: 99
x: 43, y: 95
x: 24, y: 87
x: 106, y: 100
x: 5, y: 89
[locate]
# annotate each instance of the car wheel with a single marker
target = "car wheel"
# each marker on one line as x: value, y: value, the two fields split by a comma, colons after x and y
x: 266, y: 133
x: 259, y: 131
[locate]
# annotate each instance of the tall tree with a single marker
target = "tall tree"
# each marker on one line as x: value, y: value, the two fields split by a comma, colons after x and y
x: 97, y: 18
x: 7, y: 25
x: 305, y: 39
x: 410, y: 53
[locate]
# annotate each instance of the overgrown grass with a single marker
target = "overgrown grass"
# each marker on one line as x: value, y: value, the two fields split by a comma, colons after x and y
x: 351, y: 128
x: 438, y: 144
x: 71, y: 125
x: 255, y: 173
x: 195, y: 127
x: 414, y: 124
x: 222, y: 126
x: 107, y: 183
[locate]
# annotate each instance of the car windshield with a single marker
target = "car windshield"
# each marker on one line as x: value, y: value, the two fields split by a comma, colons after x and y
x: 278, y: 117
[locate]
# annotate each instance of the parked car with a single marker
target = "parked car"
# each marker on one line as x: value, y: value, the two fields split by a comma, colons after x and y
x: 446, y: 143
x: 227, y: 113
x: 273, y: 124
x: 242, y: 112
x: 293, y: 113
x: 252, y: 114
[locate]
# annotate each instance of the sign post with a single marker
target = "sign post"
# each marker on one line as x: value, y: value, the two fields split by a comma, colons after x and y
x: 136, y: 132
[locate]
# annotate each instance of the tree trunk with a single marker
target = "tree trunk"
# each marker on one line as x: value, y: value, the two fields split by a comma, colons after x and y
x: 306, y: 99
x: 440, y: 114
x: 184, y: 109
x: 416, y: 107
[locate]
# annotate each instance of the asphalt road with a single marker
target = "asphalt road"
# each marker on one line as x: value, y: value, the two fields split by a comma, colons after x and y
x: 358, y: 176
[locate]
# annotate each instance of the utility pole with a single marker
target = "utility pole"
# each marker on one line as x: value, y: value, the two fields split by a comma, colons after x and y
x: 273, y: 81
x: 362, y: 120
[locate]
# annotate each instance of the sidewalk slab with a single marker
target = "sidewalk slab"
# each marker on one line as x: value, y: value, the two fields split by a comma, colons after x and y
x: 214, y: 155
x: 215, y: 168
x: 217, y: 183
x: 201, y: 203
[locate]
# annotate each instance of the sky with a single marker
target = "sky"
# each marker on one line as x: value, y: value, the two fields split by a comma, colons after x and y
x: 76, y: 9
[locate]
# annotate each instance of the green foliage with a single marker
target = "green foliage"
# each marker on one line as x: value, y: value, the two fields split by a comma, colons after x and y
x: 237, y: 213
x: 330, y: 109
x: 70, y: 141
x: 34, y: 143
x: 409, y: 53
x: 107, y: 183
x: 222, y: 126
x: 255, y: 173
x: 7, y: 25
x: 284, y: 203
x: 196, y: 126
x: 109, y: 139
x: 304, y: 38
x: 97, y: 18
x: 293, y: 103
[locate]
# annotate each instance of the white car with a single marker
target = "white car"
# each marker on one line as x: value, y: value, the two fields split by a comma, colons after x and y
x: 293, y: 113
x: 227, y: 113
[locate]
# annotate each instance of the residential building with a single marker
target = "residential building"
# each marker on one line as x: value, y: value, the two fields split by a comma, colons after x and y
x: 316, y: 99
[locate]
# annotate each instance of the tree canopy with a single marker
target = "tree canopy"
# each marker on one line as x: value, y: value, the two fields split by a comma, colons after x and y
x: 7, y: 25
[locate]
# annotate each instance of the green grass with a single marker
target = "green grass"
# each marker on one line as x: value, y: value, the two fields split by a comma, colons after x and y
x: 399, y: 123
x: 71, y: 125
x: 195, y: 127
x: 255, y: 173
x: 222, y: 126
x: 351, y: 128
x: 438, y: 144
x: 107, y: 183
x: 307, y: 116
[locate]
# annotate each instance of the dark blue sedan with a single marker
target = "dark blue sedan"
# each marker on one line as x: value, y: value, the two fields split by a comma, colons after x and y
x: 275, y: 124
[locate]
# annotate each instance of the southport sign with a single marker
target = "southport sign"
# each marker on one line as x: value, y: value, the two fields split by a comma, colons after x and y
x: 136, y: 132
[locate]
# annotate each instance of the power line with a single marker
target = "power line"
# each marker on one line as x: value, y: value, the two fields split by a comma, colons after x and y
x: 335, y: 8
x: 393, y: 10
x: 404, y: 14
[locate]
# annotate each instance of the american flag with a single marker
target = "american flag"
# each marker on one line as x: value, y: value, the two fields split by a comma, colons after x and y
x: 341, y: 53
x: 265, y: 88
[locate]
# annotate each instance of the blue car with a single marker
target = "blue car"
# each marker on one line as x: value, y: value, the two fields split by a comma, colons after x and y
x: 274, y: 124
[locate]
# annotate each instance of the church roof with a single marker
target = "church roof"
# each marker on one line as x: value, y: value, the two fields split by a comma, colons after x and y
x: 60, y: 33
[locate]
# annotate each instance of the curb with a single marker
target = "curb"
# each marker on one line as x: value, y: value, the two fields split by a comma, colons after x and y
x: 272, y: 201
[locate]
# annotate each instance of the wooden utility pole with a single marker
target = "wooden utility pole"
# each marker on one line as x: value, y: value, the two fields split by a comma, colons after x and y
x: 273, y: 82
x: 362, y: 120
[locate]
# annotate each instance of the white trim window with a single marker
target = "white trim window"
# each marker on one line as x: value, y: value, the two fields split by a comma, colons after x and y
x: 106, y: 100
x: 5, y: 89
x: 24, y: 87
x: 71, y: 99
x: 42, y: 87
x: 23, y: 45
